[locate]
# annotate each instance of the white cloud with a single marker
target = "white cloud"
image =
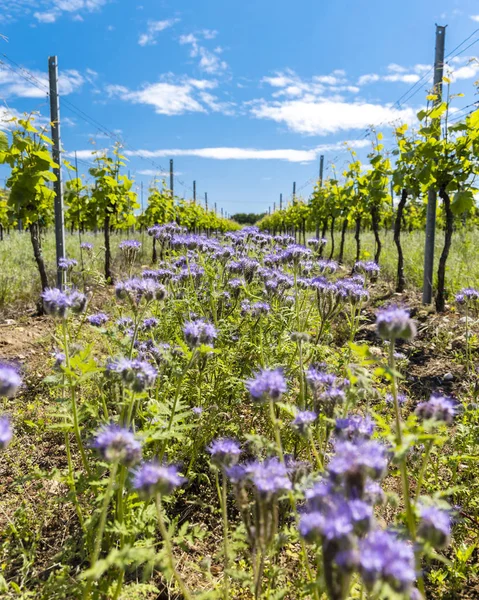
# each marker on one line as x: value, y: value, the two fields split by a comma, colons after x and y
x: 54, y: 9
x: 13, y: 84
x: 475, y: 18
x: 322, y: 116
x: 155, y: 27
x: 467, y: 67
x: 232, y: 153
x: 174, y: 96
x: 7, y: 114
x: 210, y: 60
x: 45, y: 17
x: 397, y: 73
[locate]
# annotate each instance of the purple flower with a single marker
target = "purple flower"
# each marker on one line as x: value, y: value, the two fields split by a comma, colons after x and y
x: 199, y: 332
x: 267, y: 384
x: 60, y: 361
x: 224, y: 452
x: 270, y: 477
x: 86, y: 246
x: 197, y: 410
x: 124, y: 323
x: 6, y: 432
x: 260, y: 308
x: 395, y: 323
x: 58, y: 303
x: 130, y: 245
x: 135, y: 290
x: 368, y: 267
x: 117, y: 444
x: 354, y: 461
x: 354, y: 427
x: 55, y: 302
x: 435, y: 525
x: 437, y: 408
x: 467, y: 296
x: 10, y: 381
x: 401, y: 398
x: 149, y: 323
x: 384, y: 557
x: 303, y: 420
x: 98, y: 320
x: 152, y: 478
x: 135, y: 374
x: 65, y: 264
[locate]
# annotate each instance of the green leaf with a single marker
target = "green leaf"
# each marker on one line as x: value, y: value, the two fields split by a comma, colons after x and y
x: 462, y: 202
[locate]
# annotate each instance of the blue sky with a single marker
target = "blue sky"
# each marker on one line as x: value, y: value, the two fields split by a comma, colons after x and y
x: 244, y: 96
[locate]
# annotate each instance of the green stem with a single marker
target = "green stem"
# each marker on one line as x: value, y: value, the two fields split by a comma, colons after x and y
x: 76, y: 426
x: 175, y: 400
x: 101, y: 526
x: 423, y: 469
x: 169, y: 550
x: 224, y: 511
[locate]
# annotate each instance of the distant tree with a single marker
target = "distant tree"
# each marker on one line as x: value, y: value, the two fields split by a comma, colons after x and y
x: 247, y: 218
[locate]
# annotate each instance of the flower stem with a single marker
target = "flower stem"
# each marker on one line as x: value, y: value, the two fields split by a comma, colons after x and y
x: 101, y: 526
x: 169, y: 550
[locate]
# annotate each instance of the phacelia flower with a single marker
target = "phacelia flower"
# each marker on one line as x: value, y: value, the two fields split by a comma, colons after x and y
x: 149, y: 323
x: 269, y: 477
x: 6, y: 432
x: 224, y: 452
x: 267, y: 384
x: 368, y: 267
x: 467, y: 296
x: 152, y: 478
x: 384, y: 557
x: 117, y: 444
x: 354, y: 427
x: 437, y: 408
x: 98, y: 320
x: 434, y: 525
x: 10, y: 381
x: 86, y: 246
x: 58, y: 303
x: 199, y: 332
x: 395, y: 323
x: 66, y: 264
x: 136, y: 374
x: 129, y: 245
x: 303, y: 420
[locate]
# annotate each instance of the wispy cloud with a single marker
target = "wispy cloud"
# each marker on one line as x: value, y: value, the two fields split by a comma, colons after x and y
x: 35, y: 83
x: 475, y: 18
x: 153, y: 29
x: 396, y: 74
x: 291, y: 85
x: 463, y: 67
x: 232, y: 153
x: 54, y: 9
x: 210, y: 61
x: 174, y: 96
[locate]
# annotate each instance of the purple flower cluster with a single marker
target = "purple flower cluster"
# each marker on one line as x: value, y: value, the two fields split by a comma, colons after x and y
x: 135, y: 374
x: 199, y: 332
x: 98, y: 320
x: 303, y: 421
x: 116, y: 444
x: 66, y: 264
x: 395, y: 323
x: 434, y: 525
x: 10, y: 381
x: 152, y: 478
x: 267, y: 384
x: 86, y: 246
x: 368, y: 267
x: 467, y: 296
x: 438, y: 408
x: 327, y: 390
x: 224, y: 452
x: 136, y: 290
x: 339, y: 512
x: 269, y: 478
x: 130, y: 245
x: 58, y: 304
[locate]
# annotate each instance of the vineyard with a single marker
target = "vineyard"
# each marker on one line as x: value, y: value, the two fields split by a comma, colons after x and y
x: 196, y: 409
